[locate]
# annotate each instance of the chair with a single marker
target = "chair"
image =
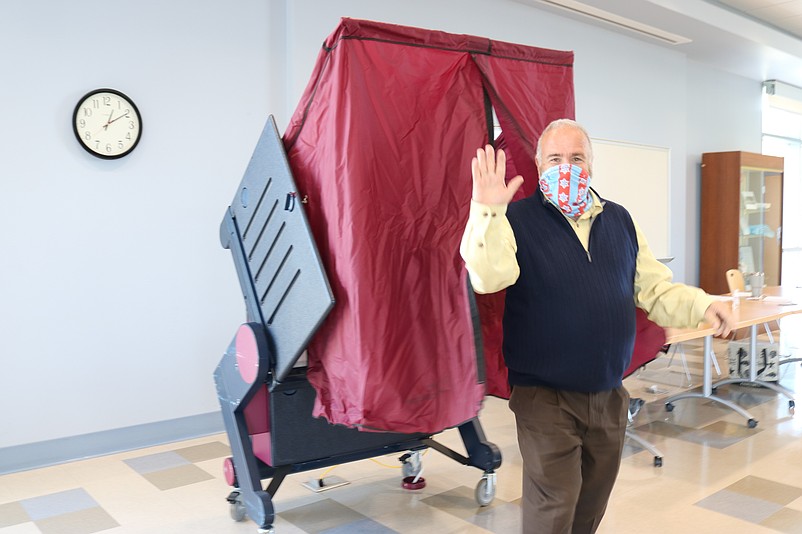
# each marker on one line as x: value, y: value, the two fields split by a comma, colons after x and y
x: 735, y: 280
x: 649, y: 341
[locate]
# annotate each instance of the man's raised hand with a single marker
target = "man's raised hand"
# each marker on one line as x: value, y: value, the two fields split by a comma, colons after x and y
x: 488, y: 169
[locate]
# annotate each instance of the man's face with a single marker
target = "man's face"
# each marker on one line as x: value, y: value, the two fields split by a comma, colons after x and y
x: 564, y: 145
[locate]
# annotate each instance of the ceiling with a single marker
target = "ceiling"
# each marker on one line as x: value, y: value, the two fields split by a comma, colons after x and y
x: 757, y: 39
x: 785, y: 15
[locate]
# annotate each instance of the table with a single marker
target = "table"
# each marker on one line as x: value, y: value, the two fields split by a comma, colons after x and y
x: 748, y: 313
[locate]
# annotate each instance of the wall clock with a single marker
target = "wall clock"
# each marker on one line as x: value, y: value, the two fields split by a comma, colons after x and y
x: 107, y: 123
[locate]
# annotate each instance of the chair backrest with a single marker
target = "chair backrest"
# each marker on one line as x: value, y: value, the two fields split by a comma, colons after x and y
x: 649, y: 340
x: 735, y: 280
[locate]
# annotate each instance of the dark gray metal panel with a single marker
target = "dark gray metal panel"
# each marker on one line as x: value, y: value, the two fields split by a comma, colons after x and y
x: 285, y: 286
x: 299, y: 438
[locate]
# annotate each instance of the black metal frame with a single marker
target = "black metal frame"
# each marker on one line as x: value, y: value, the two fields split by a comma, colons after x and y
x: 287, y: 296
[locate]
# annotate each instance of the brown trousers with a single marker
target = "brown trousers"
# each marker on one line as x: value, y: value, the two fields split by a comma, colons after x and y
x: 571, y: 446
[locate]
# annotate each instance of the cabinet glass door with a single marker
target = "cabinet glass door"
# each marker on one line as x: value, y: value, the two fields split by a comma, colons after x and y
x: 760, y: 223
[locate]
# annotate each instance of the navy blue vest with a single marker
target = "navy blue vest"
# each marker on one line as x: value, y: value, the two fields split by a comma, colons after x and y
x: 569, y: 320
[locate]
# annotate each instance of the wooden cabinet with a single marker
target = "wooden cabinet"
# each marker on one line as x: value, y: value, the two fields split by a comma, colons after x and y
x: 741, y: 217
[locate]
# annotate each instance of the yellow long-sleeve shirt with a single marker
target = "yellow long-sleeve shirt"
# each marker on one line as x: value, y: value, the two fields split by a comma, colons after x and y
x: 489, y: 248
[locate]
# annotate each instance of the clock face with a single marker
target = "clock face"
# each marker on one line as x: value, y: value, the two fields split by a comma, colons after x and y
x: 107, y: 123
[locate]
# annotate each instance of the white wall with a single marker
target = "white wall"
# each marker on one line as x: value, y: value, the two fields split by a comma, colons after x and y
x: 724, y: 113
x: 116, y: 298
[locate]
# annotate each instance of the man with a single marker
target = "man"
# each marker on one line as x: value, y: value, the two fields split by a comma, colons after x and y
x: 575, y: 266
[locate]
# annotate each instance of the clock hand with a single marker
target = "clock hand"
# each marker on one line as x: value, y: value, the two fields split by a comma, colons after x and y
x: 120, y: 117
x: 106, y: 126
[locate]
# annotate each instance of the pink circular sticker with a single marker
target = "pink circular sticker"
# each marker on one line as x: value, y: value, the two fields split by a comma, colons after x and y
x: 247, y: 354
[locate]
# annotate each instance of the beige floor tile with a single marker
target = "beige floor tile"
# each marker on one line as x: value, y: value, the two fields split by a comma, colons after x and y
x: 12, y: 513
x: 22, y: 528
x: 176, y: 477
x: 80, y: 522
x: 768, y: 490
x: 786, y: 520
x: 459, y: 502
x: 205, y: 451
x: 36, y: 482
x: 796, y: 504
x: 423, y: 518
x: 321, y: 515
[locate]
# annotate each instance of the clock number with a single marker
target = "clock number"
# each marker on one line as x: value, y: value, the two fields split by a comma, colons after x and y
x: 88, y: 136
x: 87, y: 112
x: 107, y: 101
x: 131, y: 125
x: 120, y: 145
x: 82, y: 123
x: 108, y: 147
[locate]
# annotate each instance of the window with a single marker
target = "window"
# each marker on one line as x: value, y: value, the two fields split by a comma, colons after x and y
x: 782, y: 136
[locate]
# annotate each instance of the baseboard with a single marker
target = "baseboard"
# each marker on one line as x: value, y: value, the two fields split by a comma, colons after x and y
x: 58, y: 451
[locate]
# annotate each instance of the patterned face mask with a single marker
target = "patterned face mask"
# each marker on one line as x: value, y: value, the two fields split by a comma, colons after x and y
x: 566, y: 186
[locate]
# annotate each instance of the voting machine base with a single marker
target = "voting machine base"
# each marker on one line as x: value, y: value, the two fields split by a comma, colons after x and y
x: 265, y: 397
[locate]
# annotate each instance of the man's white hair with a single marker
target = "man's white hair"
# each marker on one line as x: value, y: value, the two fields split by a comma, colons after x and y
x: 564, y: 123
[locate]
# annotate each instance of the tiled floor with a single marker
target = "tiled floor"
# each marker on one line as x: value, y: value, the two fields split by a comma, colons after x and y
x: 717, y: 476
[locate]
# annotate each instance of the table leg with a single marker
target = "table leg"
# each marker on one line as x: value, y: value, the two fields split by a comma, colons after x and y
x: 707, y: 388
x: 753, y: 373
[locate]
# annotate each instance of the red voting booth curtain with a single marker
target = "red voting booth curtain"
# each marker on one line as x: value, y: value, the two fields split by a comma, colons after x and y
x: 380, y: 146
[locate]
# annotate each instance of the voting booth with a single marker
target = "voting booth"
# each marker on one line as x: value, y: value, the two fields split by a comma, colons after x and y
x: 362, y: 334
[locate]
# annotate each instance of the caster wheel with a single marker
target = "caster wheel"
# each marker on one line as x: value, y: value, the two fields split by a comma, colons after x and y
x: 791, y: 406
x: 413, y: 483
x: 412, y: 465
x: 237, y: 511
x: 658, y: 461
x: 669, y: 407
x: 752, y: 423
x: 408, y: 470
x: 485, y: 491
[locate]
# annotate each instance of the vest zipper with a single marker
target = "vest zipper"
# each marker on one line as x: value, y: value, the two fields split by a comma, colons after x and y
x: 576, y: 237
x: 590, y: 237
